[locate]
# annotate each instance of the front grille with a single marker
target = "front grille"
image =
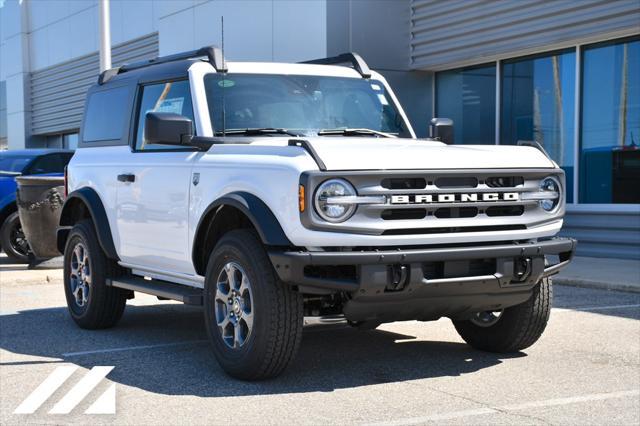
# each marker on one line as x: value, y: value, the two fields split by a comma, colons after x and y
x: 439, y: 202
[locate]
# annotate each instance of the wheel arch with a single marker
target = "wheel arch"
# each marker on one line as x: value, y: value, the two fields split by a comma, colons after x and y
x: 85, y: 203
x: 235, y: 210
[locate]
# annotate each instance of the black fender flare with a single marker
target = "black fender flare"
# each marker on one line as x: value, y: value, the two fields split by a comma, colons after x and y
x: 259, y: 214
x: 90, y: 198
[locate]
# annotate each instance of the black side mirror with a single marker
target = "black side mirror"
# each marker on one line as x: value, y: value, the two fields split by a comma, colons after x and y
x: 167, y: 128
x: 442, y: 130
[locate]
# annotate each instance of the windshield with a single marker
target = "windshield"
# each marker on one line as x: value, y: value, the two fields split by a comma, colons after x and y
x: 300, y: 104
x: 13, y: 163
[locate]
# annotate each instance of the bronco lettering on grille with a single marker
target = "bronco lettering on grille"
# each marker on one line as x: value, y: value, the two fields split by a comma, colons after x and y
x: 454, y: 198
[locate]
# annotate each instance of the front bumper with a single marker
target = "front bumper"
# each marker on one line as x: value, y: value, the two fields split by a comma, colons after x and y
x: 427, y: 283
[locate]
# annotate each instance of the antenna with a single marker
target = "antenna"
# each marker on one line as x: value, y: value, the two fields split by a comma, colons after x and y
x: 224, y: 83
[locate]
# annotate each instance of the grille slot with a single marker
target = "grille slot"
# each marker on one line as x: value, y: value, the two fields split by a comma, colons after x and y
x: 456, y: 182
x: 456, y: 212
x: 504, y: 181
x: 404, y: 183
x: 452, y: 229
x: 495, y: 211
x: 404, y: 214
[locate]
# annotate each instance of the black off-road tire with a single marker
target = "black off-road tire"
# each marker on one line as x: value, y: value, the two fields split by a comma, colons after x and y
x: 8, y: 242
x: 517, y: 328
x: 276, y: 308
x: 105, y: 305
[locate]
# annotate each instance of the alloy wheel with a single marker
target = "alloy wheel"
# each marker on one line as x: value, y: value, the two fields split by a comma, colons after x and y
x: 80, y: 275
x: 234, y: 305
x: 18, y: 240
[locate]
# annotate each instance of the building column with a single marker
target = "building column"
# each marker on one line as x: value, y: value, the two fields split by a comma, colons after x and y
x: 15, y: 70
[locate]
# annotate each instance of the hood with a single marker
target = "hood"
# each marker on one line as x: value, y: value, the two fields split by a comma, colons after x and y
x: 363, y: 153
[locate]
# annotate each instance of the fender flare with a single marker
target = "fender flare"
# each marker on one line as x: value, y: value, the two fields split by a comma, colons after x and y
x: 90, y: 198
x: 259, y: 214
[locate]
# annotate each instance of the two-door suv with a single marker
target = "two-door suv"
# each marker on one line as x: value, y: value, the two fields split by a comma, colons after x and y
x: 273, y: 192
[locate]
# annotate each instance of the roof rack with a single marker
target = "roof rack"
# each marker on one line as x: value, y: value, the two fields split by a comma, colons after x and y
x: 213, y: 54
x: 356, y: 60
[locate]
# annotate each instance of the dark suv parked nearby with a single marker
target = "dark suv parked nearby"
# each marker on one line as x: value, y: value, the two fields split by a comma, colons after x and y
x: 44, y: 162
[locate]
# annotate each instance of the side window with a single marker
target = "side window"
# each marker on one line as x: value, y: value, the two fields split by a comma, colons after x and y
x: 105, y: 116
x: 53, y: 163
x: 173, y: 97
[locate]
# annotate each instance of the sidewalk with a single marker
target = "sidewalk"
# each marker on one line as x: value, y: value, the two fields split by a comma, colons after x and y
x: 603, y: 273
x: 18, y: 273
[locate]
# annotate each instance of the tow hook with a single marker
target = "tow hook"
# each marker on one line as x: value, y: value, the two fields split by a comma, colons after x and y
x: 398, y: 277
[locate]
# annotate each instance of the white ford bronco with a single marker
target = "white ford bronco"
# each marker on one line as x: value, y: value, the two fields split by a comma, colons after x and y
x: 268, y: 193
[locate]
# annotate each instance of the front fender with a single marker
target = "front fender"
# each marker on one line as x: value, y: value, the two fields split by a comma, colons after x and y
x: 258, y: 213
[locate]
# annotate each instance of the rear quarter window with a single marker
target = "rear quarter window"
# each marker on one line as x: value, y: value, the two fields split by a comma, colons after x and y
x: 106, y: 115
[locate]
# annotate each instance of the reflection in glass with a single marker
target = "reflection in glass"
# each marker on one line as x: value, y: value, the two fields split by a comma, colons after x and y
x: 468, y: 97
x: 538, y: 97
x: 610, y: 134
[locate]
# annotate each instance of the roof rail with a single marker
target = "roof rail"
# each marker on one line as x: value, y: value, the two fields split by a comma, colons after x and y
x: 213, y: 54
x: 356, y: 60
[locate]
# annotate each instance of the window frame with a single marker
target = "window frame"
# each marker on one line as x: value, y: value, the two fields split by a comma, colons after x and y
x: 133, y: 133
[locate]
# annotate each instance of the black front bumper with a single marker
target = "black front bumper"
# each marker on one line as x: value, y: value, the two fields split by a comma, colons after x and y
x: 441, y: 281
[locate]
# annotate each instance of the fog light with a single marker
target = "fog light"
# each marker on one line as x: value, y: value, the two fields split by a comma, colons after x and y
x: 521, y: 269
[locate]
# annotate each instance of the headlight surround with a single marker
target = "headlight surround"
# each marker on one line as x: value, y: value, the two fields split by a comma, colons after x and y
x: 550, y: 185
x: 334, y: 212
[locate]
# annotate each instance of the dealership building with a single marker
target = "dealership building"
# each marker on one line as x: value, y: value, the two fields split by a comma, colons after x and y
x: 564, y: 73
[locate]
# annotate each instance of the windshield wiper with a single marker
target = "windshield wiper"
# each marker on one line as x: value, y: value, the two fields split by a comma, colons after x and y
x: 354, y: 132
x: 257, y: 132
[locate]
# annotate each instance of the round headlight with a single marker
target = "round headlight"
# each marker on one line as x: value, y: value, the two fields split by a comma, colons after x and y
x: 327, y: 200
x: 550, y: 186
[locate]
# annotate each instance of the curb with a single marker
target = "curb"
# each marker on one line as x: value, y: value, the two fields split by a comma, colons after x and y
x: 599, y: 285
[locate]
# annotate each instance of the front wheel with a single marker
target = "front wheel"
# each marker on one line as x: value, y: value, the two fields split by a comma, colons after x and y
x: 511, y: 329
x: 253, y: 320
x: 12, y: 239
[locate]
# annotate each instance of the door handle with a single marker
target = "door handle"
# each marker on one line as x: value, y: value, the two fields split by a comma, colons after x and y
x: 127, y: 177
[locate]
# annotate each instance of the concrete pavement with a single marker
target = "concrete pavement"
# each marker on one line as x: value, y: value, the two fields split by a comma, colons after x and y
x: 584, y: 370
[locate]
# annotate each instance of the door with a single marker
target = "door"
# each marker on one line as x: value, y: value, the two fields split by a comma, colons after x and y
x: 153, y: 190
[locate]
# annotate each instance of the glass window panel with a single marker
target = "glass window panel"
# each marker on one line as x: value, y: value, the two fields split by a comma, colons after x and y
x: 610, y: 124
x: 106, y: 114
x: 468, y: 97
x: 538, y: 97
x: 172, y: 97
x: 71, y: 141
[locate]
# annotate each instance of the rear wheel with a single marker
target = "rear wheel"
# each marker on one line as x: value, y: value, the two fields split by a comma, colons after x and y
x: 253, y: 320
x: 511, y: 329
x: 92, y: 304
x: 12, y: 239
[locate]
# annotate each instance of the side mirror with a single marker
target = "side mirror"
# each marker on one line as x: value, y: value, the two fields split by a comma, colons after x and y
x: 442, y: 130
x: 167, y: 128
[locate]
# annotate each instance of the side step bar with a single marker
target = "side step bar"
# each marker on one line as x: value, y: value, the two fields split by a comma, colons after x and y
x: 164, y: 289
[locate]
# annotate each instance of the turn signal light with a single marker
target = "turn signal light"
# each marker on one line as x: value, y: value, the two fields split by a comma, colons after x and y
x: 301, y: 198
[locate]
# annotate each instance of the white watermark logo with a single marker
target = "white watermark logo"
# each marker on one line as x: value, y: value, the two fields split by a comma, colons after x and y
x: 105, y: 404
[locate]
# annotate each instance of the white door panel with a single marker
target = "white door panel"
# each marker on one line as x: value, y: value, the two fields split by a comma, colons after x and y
x: 153, y: 210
